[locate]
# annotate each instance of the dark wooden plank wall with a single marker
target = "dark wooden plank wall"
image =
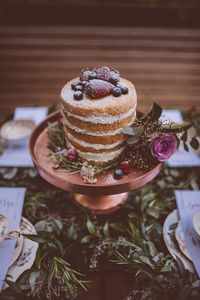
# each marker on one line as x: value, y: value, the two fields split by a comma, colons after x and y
x: 36, y: 61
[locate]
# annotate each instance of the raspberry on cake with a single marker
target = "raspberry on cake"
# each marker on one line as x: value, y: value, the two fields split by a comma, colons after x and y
x: 93, y: 124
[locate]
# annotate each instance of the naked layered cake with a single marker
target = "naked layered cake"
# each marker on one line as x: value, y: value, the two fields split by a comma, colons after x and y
x: 96, y: 107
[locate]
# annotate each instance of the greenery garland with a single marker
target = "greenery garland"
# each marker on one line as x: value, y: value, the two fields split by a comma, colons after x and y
x: 132, y: 237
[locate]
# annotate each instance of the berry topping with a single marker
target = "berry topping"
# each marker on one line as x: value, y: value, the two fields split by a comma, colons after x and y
x: 119, y: 85
x: 78, y: 95
x: 114, y: 77
x: 124, y: 90
x: 72, y: 155
x: 125, y: 167
x: 57, y: 149
x: 85, y: 75
x: 118, y: 174
x: 116, y: 92
x: 84, y: 83
x: 74, y: 84
x: 103, y: 73
x: 115, y: 71
x: 92, y: 75
x: 78, y: 88
x: 98, y: 88
x: 95, y: 70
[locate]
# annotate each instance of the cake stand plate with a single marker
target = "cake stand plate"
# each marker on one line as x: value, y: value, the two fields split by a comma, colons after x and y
x: 105, y: 195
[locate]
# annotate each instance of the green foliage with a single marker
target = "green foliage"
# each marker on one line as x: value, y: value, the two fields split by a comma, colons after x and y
x: 154, y: 113
x: 72, y: 243
x: 56, y: 136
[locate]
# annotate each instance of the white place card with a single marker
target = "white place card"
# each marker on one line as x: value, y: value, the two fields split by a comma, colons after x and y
x: 188, y: 203
x: 11, y: 205
x: 180, y: 158
x: 20, y: 156
x: 173, y: 115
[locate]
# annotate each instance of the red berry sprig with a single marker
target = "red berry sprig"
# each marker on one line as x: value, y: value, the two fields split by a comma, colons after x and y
x: 72, y: 155
x: 125, y: 167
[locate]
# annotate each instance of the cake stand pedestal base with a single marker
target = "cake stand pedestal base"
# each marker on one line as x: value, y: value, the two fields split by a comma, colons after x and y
x: 101, y: 205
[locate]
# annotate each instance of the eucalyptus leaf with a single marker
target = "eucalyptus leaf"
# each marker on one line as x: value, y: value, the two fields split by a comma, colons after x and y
x: 146, y: 260
x: 196, y: 284
x: 90, y: 226
x: 71, y: 232
x: 38, y: 259
x: 149, y: 197
x: 152, y: 248
x: 57, y: 225
x: 85, y: 239
x: 194, y: 143
x: 144, y: 232
x: 51, y: 245
x: 134, y: 131
x: 154, y: 113
x: 10, y: 173
x: 35, y: 238
x: 178, y: 128
x: 132, y: 140
x: 152, y: 212
x: 117, y: 227
x: 59, y: 245
x: 43, y: 226
x: 32, y: 279
x: 166, y: 268
x: 106, y: 229
x: 158, y: 227
x: 174, y: 173
x: 128, y: 131
x: 32, y: 172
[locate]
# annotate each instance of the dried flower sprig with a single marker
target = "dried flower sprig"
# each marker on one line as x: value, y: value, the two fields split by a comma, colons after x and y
x: 151, y: 141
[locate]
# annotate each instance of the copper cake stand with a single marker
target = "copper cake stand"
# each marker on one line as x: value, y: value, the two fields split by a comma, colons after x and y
x: 103, y: 197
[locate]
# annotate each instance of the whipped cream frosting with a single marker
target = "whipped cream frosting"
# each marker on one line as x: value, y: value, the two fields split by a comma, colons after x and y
x: 101, y: 119
x: 95, y: 146
x: 81, y: 130
x: 97, y: 157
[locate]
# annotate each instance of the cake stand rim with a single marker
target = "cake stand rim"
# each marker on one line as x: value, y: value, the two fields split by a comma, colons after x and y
x: 71, y: 185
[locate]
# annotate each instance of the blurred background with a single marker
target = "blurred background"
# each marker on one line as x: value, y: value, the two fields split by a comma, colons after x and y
x: 154, y: 43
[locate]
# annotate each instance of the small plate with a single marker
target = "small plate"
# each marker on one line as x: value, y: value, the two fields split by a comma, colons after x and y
x: 4, y: 227
x: 27, y: 256
x: 181, y: 241
x: 173, y: 249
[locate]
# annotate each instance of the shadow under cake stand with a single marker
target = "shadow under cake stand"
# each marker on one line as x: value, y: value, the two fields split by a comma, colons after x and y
x: 105, y: 196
